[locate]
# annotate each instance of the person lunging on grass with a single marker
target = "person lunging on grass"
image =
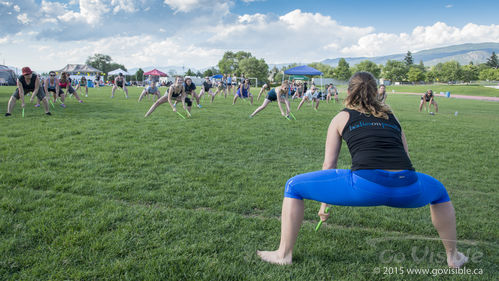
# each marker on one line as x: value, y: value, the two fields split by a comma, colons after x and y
x: 82, y: 84
x: 381, y: 173
x: 65, y: 84
x: 279, y: 94
x: 427, y: 100
x: 176, y: 92
x: 151, y: 90
x: 310, y: 95
x: 243, y: 92
x: 26, y: 83
x: 51, y: 85
x: 120, y: 82
x: 206, y: 88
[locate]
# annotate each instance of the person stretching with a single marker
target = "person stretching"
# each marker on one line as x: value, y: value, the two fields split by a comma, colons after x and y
x: 243, y: 92
x: 151, y: 90
x: 311, y: 95
x: 176, y: 92
x: 65, y: 83
x: 83, y: 83
x: 279, y: 94
x: 27, y: 82
x: 120, y: 81
x: 381, y: 173
x: 430, y: 99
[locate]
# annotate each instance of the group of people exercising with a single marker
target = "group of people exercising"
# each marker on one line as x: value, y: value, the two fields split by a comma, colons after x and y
x: 381, y: 172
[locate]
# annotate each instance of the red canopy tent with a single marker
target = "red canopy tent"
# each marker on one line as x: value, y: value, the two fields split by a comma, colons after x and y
x: 156, y: 72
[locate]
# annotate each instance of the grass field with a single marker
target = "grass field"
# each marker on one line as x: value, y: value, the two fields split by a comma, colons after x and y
x: 98, y: 192
x: 467, y: 90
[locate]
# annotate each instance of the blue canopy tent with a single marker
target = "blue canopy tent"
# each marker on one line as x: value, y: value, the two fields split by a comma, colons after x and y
x: 218, y: 76
x: 303, y: 70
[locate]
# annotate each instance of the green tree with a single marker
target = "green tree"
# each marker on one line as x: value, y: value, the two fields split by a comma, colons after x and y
x: 230, y: 62
x: 369, y: 66
x: 100, y: 61
x: 210, y: 72
x: 395, y: 70
x: 415, y: 74
x: 470, y: 73
x: 190, y: 73
x: 493, y: 61
x: 327, y: 70
x: 253, y: 67
x: 430, y: 76
x: 408, y: 59
x: 139, y: 75
x: 490, y: 74
x: 449, y: 71
x: 342, y: 72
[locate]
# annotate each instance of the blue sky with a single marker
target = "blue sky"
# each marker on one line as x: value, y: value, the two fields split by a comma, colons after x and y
x: 48, y: 34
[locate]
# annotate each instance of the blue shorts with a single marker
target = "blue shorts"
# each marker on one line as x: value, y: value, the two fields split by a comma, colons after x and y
x: 404, y: 189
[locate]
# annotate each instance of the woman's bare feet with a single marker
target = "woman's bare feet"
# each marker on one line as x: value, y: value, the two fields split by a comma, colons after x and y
x: 274, y: 257
x: 457, y: 260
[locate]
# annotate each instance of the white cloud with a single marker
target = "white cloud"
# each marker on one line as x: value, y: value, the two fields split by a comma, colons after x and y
x: 448, y: 6
x: 23, y: 18
x: 182, y: 5
x: 422, y: 37
x: 295, y: 36
x: 17, y: 8
x: 127, y: 6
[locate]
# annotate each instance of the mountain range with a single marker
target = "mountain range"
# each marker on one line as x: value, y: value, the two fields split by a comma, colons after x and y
x: 464, y: 54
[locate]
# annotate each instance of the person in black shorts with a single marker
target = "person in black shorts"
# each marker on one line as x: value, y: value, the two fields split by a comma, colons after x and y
x: 120, y: 81
x: 175, y: 93
x: 51, y: 85
x: 27, y: 82
x: 190, y: 89
x: 430, y: 99
x: 279, y: 94
x: 206, y: 88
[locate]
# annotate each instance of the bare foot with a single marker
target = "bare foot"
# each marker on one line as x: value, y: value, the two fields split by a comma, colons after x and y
x: 457, y: 260
x: 274, y: 257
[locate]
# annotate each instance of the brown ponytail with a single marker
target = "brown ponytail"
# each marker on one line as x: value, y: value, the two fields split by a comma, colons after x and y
x: 363, y: 96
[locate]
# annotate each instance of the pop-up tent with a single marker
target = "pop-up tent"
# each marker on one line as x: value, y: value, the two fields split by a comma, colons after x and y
x: 7, y: 76
x: 218, y: 76
x: 155, y: 72
x: 77, y: 69
x: 303, y: 70
x: 118, y: 71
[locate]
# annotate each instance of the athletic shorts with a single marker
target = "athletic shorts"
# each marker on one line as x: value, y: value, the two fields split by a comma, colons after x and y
x: 40, y: 95
x: 71, y: 90
x: 404, y: 189
x: 119, y: 85
x: 272, y: 95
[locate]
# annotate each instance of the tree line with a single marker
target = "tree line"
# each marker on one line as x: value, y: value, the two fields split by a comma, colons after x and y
x: 245, y: 64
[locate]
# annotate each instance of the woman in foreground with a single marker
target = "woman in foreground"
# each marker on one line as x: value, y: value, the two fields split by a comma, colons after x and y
x: 371, y: 132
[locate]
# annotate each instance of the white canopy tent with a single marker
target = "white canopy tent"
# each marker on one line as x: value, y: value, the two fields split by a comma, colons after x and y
x: 118, y: 71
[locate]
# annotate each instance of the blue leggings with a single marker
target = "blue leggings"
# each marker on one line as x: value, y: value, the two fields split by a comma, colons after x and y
x: 404, y: 189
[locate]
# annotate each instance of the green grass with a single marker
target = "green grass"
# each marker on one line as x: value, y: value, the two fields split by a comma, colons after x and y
x: 98, y: 192
x: 468, y: 90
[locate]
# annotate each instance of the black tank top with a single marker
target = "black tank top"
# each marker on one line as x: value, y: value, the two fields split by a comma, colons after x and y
x: 375, y: 143
x: 28, y: 88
